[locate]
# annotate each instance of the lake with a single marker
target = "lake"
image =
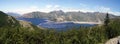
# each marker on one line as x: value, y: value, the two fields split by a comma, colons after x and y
x: 55, y: 25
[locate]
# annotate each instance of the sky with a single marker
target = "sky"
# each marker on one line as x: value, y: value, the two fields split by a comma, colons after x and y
x: 26, y: 6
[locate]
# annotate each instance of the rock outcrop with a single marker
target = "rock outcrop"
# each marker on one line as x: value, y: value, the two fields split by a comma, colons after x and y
x: 115, y: 40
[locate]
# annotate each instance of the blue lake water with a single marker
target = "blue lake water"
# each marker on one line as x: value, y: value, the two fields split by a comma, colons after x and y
x: 66, y: 25
x: 54, y: 25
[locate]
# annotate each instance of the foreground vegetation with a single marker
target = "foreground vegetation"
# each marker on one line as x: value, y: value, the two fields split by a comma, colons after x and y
x: 11, y: 32
x: 92, y: 35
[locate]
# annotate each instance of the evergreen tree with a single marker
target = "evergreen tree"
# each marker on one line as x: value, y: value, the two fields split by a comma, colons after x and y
x: 106, y: 20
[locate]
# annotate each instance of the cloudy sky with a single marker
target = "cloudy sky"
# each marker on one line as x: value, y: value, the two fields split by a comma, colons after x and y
x: 25, y: 6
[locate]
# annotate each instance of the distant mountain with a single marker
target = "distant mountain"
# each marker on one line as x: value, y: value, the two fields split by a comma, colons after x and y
x: 60, y: 16
x: 64, y: 20
x: 35, y: 15
x: 13, y: 14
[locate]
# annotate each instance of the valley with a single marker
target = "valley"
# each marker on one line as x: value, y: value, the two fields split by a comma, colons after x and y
x: 73, y: 32
x: 59, y: 22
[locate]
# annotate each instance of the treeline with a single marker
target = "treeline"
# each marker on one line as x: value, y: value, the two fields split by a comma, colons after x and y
x: 92, y: 35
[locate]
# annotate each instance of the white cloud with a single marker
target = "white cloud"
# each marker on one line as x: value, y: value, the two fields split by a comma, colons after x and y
x: 115, y: 13
x: 106, y: 9
x: 83, y: 5
x: 49, y: 8
x: 102, y: 9
x: 25, y: 10
x: 34, y: 7
x: 56, y: 6
x: 52, y: 6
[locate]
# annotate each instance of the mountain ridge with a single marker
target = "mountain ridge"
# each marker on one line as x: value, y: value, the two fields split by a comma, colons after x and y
x: 60, y: 16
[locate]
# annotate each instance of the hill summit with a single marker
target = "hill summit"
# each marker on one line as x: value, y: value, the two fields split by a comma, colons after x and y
x: 6, y: 20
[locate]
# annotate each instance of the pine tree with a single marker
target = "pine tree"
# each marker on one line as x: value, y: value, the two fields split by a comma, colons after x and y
x: 106, y: 20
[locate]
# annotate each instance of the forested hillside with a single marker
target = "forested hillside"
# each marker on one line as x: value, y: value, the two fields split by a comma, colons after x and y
x: 90, y: 35
x: 6, y: 20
